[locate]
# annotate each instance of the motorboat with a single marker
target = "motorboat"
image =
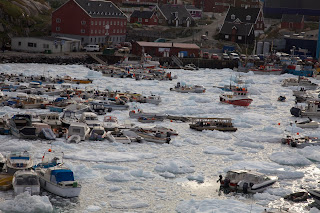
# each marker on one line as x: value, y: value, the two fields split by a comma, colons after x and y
x: 247, y: 181
x: 190, y: 67
x: 238, y: 97
x: 297, y: 196
x: 119, y: 137
x: 91, y: 119
x: 51, y: 119
x: 300, y: 142
x: 152, y: 99
x: 68, y: 117
x: 162, y: 130
x: 220, y: 124
x: 50, y: 159
x: 139, y: 113
x: 98, y: 108
x: 187, y: 89
x: 111, y: 122
x: 307, y: 124
x: 21, y: 126
x: 16, y: 161
x: 315, y: 194
x: 311, y: 110
x: 156, y: 137
x: 26, y: 181
x: 4, y: 128
x: 33, y: 102
x: 149, y: 119
x: 268, y: 69
x: 113, y: 105
x: 78, y: 108
x: 97, y: 133
x: 44, y: 131
x: 80, y: 129
x: 301, y: 82
x: 2, y: 162
x: 59, y: 180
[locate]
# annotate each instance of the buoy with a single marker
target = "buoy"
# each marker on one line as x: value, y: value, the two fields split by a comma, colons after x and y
x: 49, y: 150
x: 170, y: 120
x: 297, y: 133
x: 279, y: 124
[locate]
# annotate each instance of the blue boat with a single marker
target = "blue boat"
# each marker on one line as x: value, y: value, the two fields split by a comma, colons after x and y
x: 56, y: 109
x: 300, y: 70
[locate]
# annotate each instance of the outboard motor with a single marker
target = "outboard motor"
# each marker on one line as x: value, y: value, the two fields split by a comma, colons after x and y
x: 226, y: 183
x: 245, y: 187
x: 295, y: 111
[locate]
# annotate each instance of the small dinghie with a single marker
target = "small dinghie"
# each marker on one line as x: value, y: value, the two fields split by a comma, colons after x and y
x: 74, y: 139
x: 307, y: 124
x: 297, y: 196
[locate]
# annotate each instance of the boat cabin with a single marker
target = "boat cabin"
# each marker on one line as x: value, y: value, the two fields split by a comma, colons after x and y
x: 80, y: 129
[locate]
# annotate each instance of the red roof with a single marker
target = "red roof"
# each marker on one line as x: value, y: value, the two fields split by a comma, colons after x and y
x: 167, y: 45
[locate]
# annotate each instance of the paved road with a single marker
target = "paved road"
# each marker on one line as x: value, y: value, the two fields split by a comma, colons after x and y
x: 211, y: 29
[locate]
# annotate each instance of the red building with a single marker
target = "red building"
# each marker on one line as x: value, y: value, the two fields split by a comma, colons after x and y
x: 144, y: 17
x: 159, y: 49
x: 292, y: 21
x: 91, y: 21
x: 220, y: 6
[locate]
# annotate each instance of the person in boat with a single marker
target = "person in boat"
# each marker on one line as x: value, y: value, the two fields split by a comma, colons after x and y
x: 220, y: 179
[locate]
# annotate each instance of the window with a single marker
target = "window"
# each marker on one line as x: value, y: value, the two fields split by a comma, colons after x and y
x: 19, y: 43
x: 83, y: 22
x: 226, y: 36
x: 146, y: 20
x: 30, y: 44
x: 58, y: 20
x: 57, y: 28
x: 155, y: 20
x: 248, y: 18
x: 99, y: 31
x: 121, y: 23
x: 95, y: 31
x: 91, y: 31
x: 99, y: 22
x: 125, y: 23
x: 233, y: 17
x: 160, y: 21
x: 110, y: 22
x: 117, y: 30
x: 114, y: 31
x: 118, y: 23
x: 96, y: 23
x: 107, y: 22
x: 120, y: 30
x: 104, y: 23
x: 124, y: 31
x: 91, y: 40
x: 83, y: 31
x: 46, y: 46
x: 239, y: 37
x: 91, y: 22
x: 139, y: 19
x: 102, y: 31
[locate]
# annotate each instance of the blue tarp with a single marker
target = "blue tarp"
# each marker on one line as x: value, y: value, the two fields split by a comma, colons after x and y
x: 62, y: 175
x: 19, y: 158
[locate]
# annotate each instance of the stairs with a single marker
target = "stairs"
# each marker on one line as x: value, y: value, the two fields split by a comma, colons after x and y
x: 177, y: 61
x: 94, y: 56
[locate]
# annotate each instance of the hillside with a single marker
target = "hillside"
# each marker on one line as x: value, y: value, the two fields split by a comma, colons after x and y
x: 24, y: 18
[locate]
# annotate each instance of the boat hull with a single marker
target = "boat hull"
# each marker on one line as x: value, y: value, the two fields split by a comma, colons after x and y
x: 239, y: 102
x: 315, y: 194
x: 267, y: 72
x: 60, y: 191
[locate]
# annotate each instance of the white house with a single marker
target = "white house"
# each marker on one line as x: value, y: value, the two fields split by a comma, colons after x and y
x: 45, y: 44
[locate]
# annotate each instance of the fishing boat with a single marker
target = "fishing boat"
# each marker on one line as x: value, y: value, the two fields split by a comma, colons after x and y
x: 300, y: 70
x: 21, y: 126
x: 59, y: 180
x: 118, y: 136
x: 149, y: 119
x: 297, y: 196
x: 187, y: 89
x: 44, y: 131
x: 81, y: 81
x: 190, y: 67
x: 26, y: 181
x: 51, y: 119
x: 16, y: 161
x: 111, y: 122
x: 238, y: 97
x: 300, y: 142
x: 311, y: 110
x: 307, y: 124
x: 163, y: 130
x: 33, y: 102
x: 152, y: 99
x: 78, y: 108
x: 300, y: 81
x: 268, y: 69
x: 247, y: 181
x: 220, y: 124
x: 139, y: 113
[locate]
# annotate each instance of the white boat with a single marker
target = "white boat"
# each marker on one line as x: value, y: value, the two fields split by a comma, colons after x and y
x: 238, y: 97
x: 152, y: 99
x: 21, y: 126
x: 44, y: 131
x: 155, y: 137
x: 97, y: 133
x: 119, y: 137
x: 26, y: 181
x: 247, y: 181
x: 16, y: 161
x: 90, y: 118
x: 111, y: 122
x: 307, y: 124
x: 301, y: 82
x: 68, y: 117
x: 80, y: 129
x: 51, y: 119
x: 59, y: 180
x: 78, y: 108
x: 187, y: 89
x: 2, y: 162
x: 139, y: 113
x: 190, y: 67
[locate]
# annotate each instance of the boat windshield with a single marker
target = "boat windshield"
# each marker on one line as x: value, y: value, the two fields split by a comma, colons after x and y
x: 61, y: 175
x: 27, y: 180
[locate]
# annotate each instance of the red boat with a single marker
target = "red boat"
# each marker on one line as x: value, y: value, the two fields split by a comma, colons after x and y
x: 239, y: 97
x: 267, y: 70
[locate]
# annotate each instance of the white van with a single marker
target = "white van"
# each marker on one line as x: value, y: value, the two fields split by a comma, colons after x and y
x: 92, y: 48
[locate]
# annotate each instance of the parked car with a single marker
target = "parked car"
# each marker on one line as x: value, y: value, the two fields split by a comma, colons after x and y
x: 215, y: 56
x: 92, y: 48
x: 234, y: 56
x: 205, y: 55
x: 225, y: 56
x: 243, y: 57
x: 204, y: 37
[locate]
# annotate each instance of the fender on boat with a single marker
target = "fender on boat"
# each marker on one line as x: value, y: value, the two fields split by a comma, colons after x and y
x: 295, y: 111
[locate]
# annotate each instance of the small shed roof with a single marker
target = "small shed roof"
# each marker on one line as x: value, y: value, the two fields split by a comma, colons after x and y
x: 295, y: 18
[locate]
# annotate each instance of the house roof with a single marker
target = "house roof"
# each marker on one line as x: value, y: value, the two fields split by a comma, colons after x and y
x: 142, y: 14
x: 242, y: 13
x: 192, y: 7
x: 242, y: 29
x: 167, y: 45
x: 169, y: 11
x: 100, y: 8
x: 295, y: 18
x: 297, y: 4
